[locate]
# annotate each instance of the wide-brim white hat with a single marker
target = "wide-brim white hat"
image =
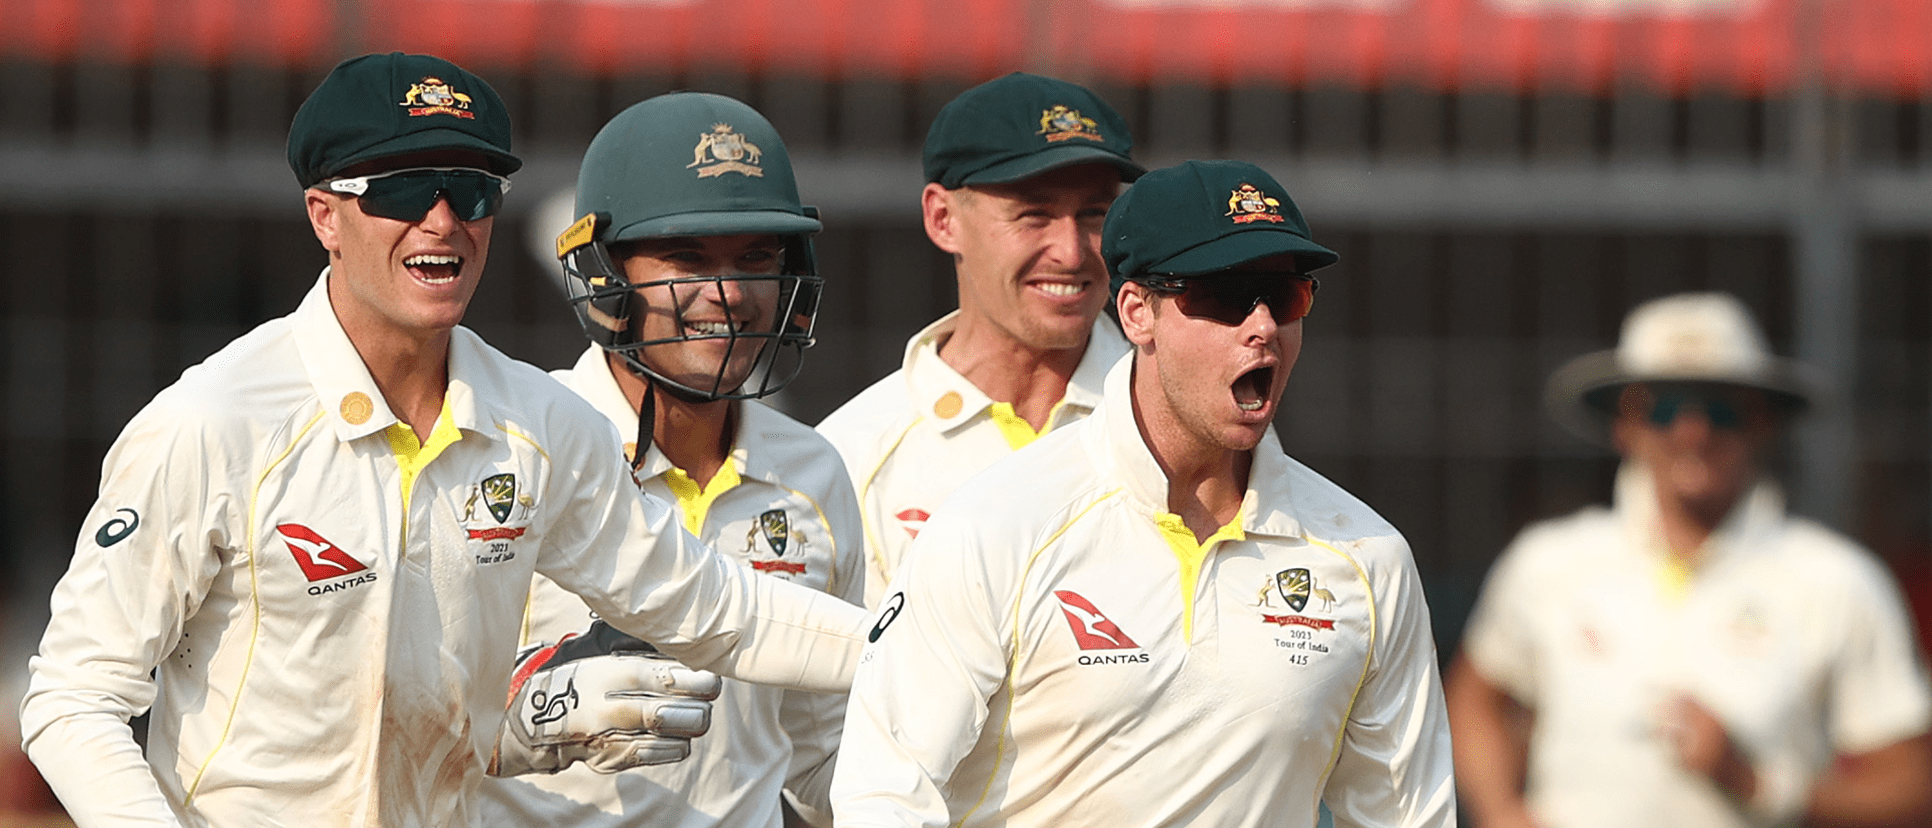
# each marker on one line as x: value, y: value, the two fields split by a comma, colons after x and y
x: 1688, y: 337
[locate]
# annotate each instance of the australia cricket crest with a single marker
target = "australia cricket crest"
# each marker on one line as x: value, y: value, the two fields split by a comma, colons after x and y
x: 1296, y: 588
x: 434, y: 96
x: 1060, y: 123
x: 499, y: 495
x: 505, y: 517
x: 1294, y: 584
x: 777, y: 530
x: 1247, y: 203
x: 774, y: 527
x: 724, y: 150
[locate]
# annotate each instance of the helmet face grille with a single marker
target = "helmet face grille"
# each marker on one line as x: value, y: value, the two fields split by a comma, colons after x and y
x: 700, y: 338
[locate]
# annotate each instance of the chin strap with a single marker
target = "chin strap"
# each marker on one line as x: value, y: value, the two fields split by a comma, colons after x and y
x: 646, y: 425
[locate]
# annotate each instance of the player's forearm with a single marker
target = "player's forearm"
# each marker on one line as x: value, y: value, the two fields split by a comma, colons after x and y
x: 1883, y: 788
x: 1490, y: 748
x: 94, y: 766
x: 802, y: 639
x: 785, y: 636
x: 705, y: 609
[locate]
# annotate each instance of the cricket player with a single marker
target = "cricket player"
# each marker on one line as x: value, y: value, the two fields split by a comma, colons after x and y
x: 310, y: 555
x: 1021, y: 170
x: 698, y: 290
x: 1155, y: 617
x: 1693, y: 655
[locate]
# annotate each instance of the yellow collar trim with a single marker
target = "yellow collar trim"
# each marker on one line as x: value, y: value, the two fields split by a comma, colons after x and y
x: 1674, y: 575
x: 412, y: 456
x: 1192, y: 555
x: 694, y: 500
x: 1018, y: 432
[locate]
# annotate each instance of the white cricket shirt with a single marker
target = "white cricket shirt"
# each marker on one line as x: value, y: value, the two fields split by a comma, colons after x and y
x: 913, y: 437
x: 1048, y: 657
x: 331, y: 617
x: 790, y: 515
x: 1793, y: 636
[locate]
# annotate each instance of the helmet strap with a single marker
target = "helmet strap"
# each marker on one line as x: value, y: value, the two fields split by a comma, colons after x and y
x: 646, y: 425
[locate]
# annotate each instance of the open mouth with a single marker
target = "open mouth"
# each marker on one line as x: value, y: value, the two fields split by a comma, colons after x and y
x: 1251, y: 389
x: 435, y: 268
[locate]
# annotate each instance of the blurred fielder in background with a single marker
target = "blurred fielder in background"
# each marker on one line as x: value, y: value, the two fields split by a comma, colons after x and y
x: 1692, y: 656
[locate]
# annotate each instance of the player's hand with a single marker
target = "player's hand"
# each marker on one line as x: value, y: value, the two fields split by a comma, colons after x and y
x: 1705, y: 748
x: 603, y: 698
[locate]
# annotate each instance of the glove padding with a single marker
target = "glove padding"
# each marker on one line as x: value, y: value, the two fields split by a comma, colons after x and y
x: 603, y: 698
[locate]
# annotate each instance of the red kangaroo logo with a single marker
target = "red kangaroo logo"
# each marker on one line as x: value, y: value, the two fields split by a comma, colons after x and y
x: 319, y: 558
x: 1090, y: 628
x: 913, y: 520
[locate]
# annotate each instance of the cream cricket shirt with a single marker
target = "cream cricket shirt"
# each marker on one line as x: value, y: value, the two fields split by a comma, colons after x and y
x: 913, y: 437
x: 1052, y: 655
x: 331, y: 612
x: 1795, y: 638
x: 782, y: 507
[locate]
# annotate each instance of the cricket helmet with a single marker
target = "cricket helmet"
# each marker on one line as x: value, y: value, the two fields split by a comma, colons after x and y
x: 684, y: 165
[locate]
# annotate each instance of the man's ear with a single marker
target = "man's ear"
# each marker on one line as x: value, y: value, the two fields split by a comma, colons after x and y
x: 1620, y: 435
x: 325, y: 217
x: 940, y: 209
x: 1136, y: 308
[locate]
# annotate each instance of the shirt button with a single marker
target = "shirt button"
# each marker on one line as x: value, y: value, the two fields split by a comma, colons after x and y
x: 356, y: 408
x: 948, y: 405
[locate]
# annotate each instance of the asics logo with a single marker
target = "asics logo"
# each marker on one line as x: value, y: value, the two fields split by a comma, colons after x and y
x: 118, y: 528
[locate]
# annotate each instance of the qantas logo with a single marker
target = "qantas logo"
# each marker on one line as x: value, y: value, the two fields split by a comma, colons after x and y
x: 1091, y: 629
x: 913, y: 520
x: 319, y: 558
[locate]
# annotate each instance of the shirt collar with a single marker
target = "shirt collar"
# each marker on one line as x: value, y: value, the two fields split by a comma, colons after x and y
x: 947, y: 397
x: 592, y: 379
x: 1752, y: 523
x: 342, y: 382
x: 1266, y: 508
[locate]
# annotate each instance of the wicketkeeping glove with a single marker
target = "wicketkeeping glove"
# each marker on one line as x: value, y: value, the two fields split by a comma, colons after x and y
x: 604, y: 698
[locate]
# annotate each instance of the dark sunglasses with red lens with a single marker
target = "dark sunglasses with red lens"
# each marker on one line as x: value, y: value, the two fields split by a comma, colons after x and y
x: 1230, y: 296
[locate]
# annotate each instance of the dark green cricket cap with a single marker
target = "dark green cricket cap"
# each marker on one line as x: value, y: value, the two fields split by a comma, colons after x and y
x: 380, y: 105
x: 1019, y: 126
x: 1204, y: 216
x: 690, y: 164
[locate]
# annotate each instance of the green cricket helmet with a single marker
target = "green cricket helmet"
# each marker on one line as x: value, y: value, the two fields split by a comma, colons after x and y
x: 683, y: 165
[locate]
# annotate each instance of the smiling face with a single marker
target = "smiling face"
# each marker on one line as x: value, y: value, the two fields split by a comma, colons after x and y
x: 709, y: 310
x: 1028, y: 253
x: 1201, y: 385
x: 395, y: 279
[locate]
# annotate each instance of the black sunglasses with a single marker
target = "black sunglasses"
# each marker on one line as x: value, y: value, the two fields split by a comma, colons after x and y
x: 409, y: 194
x: 1722, y: 408
x: 1230, y: 296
